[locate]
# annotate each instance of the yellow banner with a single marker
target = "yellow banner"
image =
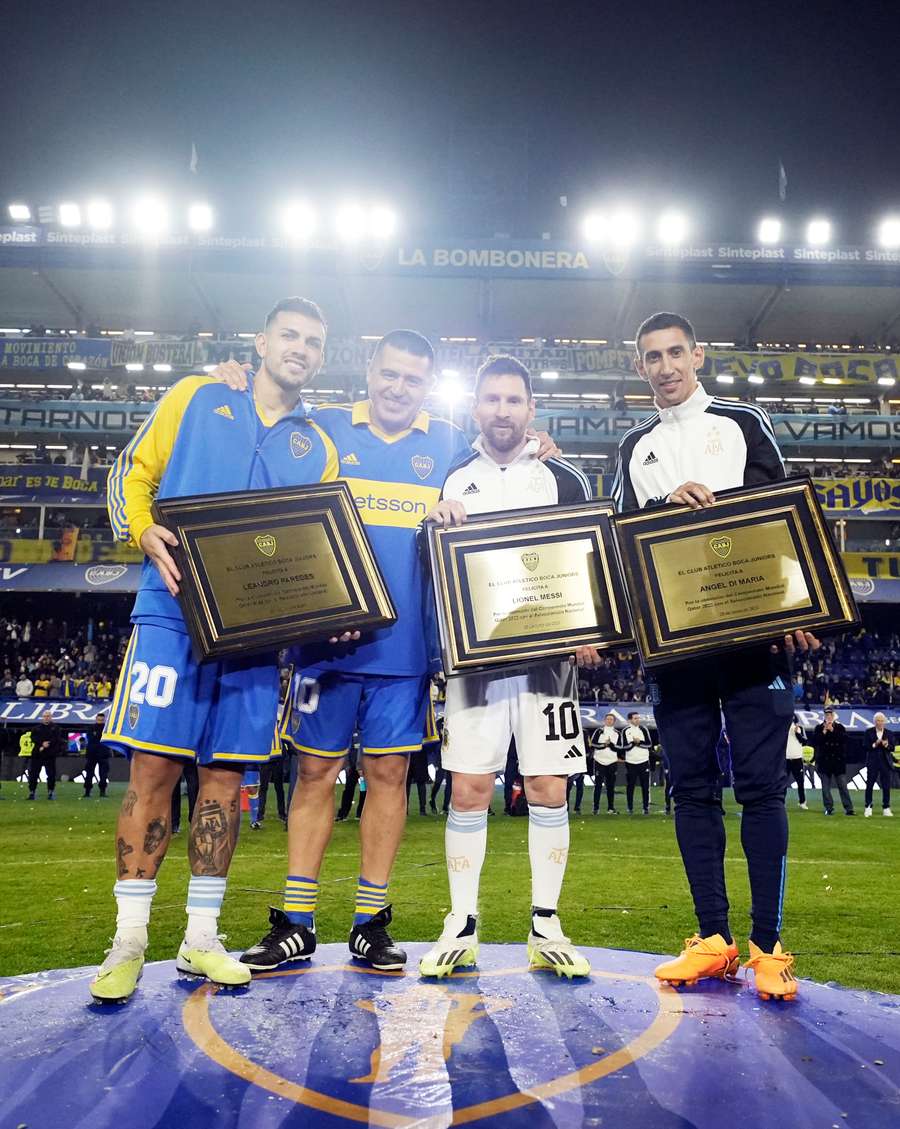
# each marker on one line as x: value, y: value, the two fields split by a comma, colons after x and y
x: 850, y: 368
x: 872, y: 566
x: 14, y: 550
x: 859, y: 496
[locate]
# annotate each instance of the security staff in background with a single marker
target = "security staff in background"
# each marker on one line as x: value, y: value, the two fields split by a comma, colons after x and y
x: 96, y: 756
x: 606, y: 744
x: 693, y: 445
x: 830, y: 758
x: 637, y: 745
x: 879, y: 765
x: 49, y: 743
x: 794, y: 761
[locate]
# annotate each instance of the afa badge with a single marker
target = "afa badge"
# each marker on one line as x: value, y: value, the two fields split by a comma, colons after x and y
x: 423, y: 465
x: 300, y: 444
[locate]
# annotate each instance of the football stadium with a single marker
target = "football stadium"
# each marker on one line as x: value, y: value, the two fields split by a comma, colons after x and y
x: 449, y: 568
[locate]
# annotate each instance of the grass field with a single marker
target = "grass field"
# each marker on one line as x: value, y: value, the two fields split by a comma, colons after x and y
x: 625, y: 887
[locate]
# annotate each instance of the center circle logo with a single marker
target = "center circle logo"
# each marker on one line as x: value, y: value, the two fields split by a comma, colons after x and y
x: 390, y: 1049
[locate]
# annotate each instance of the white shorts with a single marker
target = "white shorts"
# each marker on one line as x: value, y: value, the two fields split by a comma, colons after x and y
x: 538, y: 706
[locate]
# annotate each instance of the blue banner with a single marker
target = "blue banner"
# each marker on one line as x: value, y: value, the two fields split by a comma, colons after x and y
x: 60, y: 577
x: 51, y: 483
x: 54, y: 352
x: 70, y: 419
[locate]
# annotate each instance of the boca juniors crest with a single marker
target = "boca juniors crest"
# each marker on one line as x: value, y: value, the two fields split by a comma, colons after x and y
x: 423, y: 465
x: 300, y: 444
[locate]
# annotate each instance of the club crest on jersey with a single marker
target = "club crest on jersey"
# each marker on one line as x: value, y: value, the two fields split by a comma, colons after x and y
x: 423, y: 465
x: 721, y: 546
x: 713, y: 442
x: 266, y: 544
x: 300, y: 444
x: 530, y: 560
x: 134, y: 712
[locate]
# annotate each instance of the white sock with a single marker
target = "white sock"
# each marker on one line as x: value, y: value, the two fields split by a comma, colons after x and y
x: 548, y: 849
x: 204, y: 903
x: 133, y: 899
x: 465, y: 841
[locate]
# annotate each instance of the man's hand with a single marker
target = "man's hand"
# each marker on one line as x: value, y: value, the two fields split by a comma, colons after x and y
x: 347, y: 637
x: 448, y: 513
x: 693, y: 494
x: 154, y: 542
x: 233, y: 373
x: 586, y: 656
x: 802, y: 641
x: 548, y: 449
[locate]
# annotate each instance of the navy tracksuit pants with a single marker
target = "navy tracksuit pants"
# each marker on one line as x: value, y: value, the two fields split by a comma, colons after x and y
x: 752, y: 689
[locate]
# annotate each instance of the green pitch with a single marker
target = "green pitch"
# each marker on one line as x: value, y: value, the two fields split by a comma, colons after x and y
x: 625, y: 887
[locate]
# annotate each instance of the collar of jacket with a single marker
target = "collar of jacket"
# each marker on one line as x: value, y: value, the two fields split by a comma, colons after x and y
x: 529, y: 451
x: 695, y: 405
x: 298, y: 411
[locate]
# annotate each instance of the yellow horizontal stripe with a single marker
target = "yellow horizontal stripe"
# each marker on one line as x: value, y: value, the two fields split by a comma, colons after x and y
x: 392, y: 749
x: 149, y: 747
x: 330, y: 753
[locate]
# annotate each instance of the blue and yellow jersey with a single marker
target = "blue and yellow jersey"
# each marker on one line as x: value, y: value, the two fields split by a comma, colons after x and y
x: 202, y: 438
x: 395, y: 480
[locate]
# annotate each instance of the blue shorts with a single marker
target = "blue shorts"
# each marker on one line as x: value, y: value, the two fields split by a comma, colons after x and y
x: 326, y: 707
x: 213, y: 712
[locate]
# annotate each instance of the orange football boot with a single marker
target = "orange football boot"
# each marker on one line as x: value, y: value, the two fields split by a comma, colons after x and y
x: 773, y: 973
x: 702, y: 957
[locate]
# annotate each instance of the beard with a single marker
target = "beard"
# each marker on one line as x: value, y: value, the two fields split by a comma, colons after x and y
x: 506, y: 439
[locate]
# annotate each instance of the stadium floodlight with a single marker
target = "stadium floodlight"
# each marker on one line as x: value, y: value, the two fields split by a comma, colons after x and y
x: 149, y: 215
x: 755, y: 378
x: 448, y: 373
x: 76, y: 366
x: 19, y: 213
x: 672, y: 228
x: 134, y: 366
x: 350, y: 223
x: 725, y: 378
x: 69, y: 215
x: 889, y: 232
x: 807, y: 380
x: 769, y: 230
x: 595, y: 227
x: 450, y: 390
x: 299, y: 220
x: 200, y: 217
x: 162, y: 368
x: 887, y: 381
x: 624, y: 227
x: 99, y: 214
x: 549, y: 374
x: 382, y: 222
x: 818, y: 232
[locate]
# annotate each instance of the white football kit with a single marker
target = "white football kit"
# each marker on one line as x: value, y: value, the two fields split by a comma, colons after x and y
x: 537, y: 705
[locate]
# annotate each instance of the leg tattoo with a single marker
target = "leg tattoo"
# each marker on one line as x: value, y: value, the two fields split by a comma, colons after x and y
x: 122, y: 849
x: 156, y: 833
x: 128, y: 803
x: 213, y: 837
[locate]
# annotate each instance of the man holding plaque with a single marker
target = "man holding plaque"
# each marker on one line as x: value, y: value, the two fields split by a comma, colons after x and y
x: 693, y: 445
x: 538, y: 706
x: 202, y: 438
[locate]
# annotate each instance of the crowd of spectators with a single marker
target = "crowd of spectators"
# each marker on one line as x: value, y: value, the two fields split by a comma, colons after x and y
x: 54, y: 659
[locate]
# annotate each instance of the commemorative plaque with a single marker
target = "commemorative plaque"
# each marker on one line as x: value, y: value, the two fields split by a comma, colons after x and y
x: 756, y: 564
x: 526, y: 585
x: 261, y: 569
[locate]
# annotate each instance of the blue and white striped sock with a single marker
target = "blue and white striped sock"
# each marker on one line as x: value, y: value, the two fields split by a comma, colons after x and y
x: 204, y: 903
x: 133, y: 898
x: 465, y: 843
x: 548, y: 850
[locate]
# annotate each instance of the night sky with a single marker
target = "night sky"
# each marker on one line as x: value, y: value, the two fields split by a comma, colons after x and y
x: 472, y: 118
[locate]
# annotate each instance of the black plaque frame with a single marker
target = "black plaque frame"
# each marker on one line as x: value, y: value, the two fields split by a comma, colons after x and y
x: 794, y: 499
x: 248, y: 513
x: 461, y: 650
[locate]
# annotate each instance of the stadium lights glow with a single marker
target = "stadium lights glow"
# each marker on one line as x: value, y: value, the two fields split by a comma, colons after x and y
x: 19, y: 213
x: 625, y: 227
x: 549, y: 374
x: 70, y: 215
x: 299, y: 220
x: 832, y: 380
x: 449, y: 373
x: 450, y: 390
x: 671, y: 228
x: 889, y: 231
x: 134, y: 366
x: 149, y: 216
x: 99, y: 214
x: 769, y: 230
x: 350, y: 223
x: 818, y: 232
x: 755, y: 378
x: 209, y: 368
x: 724, y: 378
x: 200, y: 217
x: 76, y: 366
x: 887, y: 381
x: 807, y: 380
x: 382, y: 222
x: 595, y: 227
x: 162, y: 368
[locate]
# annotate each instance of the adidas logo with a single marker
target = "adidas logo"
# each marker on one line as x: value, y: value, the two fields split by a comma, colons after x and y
x: 574, y: 751
x: 350, y: 460
x: 361, y: 945
x: 225, y: 411
x: 650, y: 460
x: 471, y: 489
